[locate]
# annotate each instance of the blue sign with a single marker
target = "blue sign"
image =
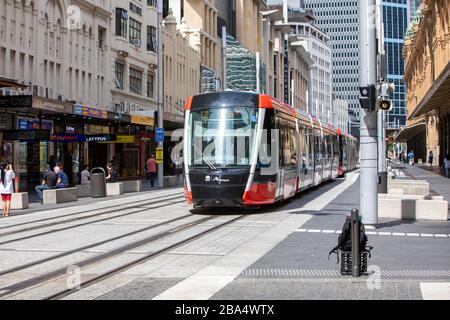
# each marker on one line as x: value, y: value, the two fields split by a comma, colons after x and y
x: 159, y: 135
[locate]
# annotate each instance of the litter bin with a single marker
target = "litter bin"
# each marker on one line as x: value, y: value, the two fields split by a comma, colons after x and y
x: 98, y: 183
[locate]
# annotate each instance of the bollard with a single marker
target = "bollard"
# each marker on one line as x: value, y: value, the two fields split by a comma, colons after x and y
x: 356, y: 255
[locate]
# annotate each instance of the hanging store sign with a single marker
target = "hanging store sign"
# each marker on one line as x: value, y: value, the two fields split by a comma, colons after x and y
x: 125, y: 139
x: 159, y: 155
x: 33, y: 124
x: 101, y: 138
x: 90, y: 112
x: 16, y: 101
x: 51, y: 105
x: 67, y: 137
x: 26, y: 135
x: 143, y: 120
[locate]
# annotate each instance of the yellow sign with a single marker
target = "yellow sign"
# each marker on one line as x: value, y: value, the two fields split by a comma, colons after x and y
x: 159, y: 155
x: 122, y: 139
x: 143, y: 120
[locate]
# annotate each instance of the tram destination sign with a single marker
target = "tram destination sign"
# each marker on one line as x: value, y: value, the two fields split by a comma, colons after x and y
x: 27, y: 135
x: 16, y: 101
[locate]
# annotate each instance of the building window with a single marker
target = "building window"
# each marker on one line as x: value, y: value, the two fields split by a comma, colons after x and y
x: 136, y: 9
x: 150, y: 84
x: 152, y: 3
x: 119, y: 75
x: 135, y: 32
x: 151, y: 38
x: 121, y: 22
x: 135, y: 81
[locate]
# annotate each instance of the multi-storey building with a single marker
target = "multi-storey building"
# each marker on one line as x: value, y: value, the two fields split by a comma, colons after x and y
x: 395, y: 21
x: 315, y: 41
x: 427, y: 75
x: 340, y: 115
x: 339, y: 20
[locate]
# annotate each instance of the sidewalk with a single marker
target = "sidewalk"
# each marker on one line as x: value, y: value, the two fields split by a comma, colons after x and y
x: 438, y: 183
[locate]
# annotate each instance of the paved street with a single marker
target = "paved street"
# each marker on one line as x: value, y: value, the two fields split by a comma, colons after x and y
x: 152, y: 245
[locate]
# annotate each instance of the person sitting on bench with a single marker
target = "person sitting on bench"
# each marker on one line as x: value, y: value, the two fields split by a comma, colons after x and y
x: 63, y: 180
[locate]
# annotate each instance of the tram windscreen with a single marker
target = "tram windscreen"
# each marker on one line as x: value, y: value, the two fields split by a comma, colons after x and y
x: 222, y: 137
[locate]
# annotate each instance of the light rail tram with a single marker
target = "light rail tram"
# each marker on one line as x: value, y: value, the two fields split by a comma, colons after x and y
x: 243, y: 149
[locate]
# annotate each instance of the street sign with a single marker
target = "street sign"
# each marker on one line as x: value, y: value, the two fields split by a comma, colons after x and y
x: 159, y: 155
x: 159, y: 134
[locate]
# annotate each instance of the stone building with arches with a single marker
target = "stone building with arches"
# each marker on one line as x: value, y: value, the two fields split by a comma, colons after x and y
x: 426, y: 56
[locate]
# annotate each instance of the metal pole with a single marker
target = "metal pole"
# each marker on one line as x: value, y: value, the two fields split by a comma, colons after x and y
x: 258, y: 66
x: 368, y: 119
x: 160, y: 88
x: 224, y: 57
x: 356, y: 254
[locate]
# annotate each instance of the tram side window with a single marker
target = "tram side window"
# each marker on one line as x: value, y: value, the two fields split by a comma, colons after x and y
x: 287, y: 144
x: 311, y: 150
x: 326, y: 148
x: 304, y: 148
x: 265, y: 153
x: 317, y: 148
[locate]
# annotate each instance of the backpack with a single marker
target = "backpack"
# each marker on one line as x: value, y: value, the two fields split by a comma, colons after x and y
x: 345, y: 239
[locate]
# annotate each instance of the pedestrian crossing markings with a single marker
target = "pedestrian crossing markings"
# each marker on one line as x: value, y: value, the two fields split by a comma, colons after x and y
x: 374, y: 233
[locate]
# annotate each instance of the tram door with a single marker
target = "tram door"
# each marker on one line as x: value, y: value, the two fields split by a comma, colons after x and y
x: 306, y: 160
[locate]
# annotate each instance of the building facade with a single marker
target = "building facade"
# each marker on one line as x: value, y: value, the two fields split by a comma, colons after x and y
x: 340, y: 115
x: 395, y: 21
x: 339, y: 20
x: 427, y: 75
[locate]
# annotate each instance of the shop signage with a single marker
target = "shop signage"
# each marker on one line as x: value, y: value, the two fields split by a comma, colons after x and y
x: 26, y: 135
x: 90, y: 112
x: 159, y: 134
x: 159, y: 155
x: 44, y: 104
x: 121, y: 139
x: 16, y: 101
x: 143, y: 120
x: 67, y: 137
x: 101, y: 138
x: 33, y: 124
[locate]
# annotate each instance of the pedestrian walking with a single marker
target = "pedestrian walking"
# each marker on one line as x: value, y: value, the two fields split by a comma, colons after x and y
x: 6, y: 185
x: 49, y: 181
x: 411, y: 158
x: 63, y: 179
x: 430, y: 158
x: 446, y: 166
x: 85, y: 175
x: 151, y: 169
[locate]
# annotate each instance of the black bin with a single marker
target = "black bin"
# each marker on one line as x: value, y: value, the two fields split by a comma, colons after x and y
x: 98, y: 183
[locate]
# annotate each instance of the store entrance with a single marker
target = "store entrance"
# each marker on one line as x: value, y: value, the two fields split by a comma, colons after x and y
x: 98, y: 154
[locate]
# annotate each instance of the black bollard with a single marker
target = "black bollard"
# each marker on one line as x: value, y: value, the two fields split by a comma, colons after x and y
x: 356, y: 255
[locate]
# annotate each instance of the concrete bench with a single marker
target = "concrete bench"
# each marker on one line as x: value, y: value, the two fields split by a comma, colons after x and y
x: 170, y: 181
x: 410, y: 187
x: 83, y: 190
x: 19, y: 201
x: 132, y: 186
x: 55, y: 196
x: 114, y: 189
x: 410, y: 207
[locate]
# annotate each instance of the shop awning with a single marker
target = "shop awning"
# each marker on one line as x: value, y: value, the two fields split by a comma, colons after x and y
x: 9, y: 83
x: 437, y: 97
x: 408, y: 132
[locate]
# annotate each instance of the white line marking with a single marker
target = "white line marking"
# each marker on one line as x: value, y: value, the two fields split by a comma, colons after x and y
x: 384, y: 233
x: 438, y: 235
x: 339, y: 231
x: 401, y: 234
x: 413, y: 234
x: 301, y: 230
x: 314, y: 230
x: 426, y: 235
x: 328, y: 231
x: 372, y: 233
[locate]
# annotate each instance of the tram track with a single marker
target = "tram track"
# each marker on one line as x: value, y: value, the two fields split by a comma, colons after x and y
x: 121, y: 206
x: 88, y: 222
x: 60, y: 272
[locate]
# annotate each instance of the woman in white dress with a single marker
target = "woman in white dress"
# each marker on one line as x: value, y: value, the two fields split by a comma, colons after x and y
x: 6, y: 185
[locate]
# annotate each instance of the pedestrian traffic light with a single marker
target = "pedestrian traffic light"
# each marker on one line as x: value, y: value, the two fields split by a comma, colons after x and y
x: 384, y: 102
x: 368, y: 97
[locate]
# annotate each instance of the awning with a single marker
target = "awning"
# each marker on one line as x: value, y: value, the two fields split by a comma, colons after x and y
x: 437, y: 97
x: 9, y: 83
x: 409, y: 132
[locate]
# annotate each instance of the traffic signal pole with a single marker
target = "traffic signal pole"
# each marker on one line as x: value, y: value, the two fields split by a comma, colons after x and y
x: 160, y: 87
x: 368, y: 117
